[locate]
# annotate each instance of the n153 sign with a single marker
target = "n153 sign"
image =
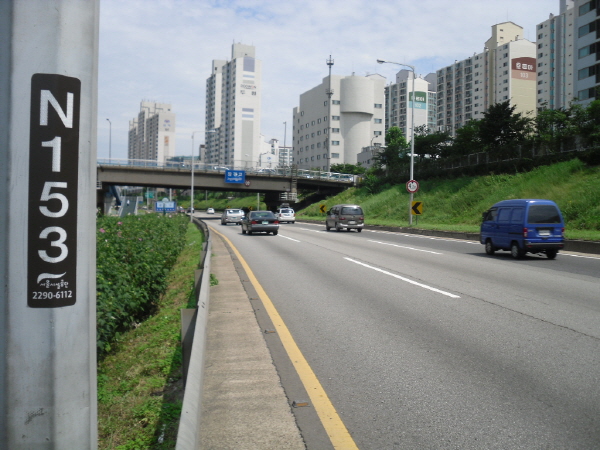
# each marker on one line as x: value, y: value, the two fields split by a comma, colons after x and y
x: 53, y: 178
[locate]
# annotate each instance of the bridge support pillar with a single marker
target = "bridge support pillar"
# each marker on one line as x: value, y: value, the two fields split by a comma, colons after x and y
x: 272, y: 200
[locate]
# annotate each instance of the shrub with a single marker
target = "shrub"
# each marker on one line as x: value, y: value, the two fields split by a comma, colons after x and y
x: 134, y: 256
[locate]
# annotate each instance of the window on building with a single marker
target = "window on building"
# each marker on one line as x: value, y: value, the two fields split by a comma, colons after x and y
x: 586, y: 7
x: 335, y: 130
x: 378, y: 120
x: 586, y: 29
x: 335, y: 155
x: 377, y: 133
x: 378, y: 105
x: 586, y: 72
x: 335, y: 117
x: 335, y: 102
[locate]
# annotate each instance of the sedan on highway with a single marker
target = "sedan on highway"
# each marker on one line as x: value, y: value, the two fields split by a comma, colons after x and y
x: 260, y: 221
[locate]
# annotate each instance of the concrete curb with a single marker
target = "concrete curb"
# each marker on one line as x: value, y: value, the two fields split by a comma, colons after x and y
x: 578, y: 246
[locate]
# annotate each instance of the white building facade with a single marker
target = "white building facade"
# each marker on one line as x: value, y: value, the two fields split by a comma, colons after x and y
x: 326, y: 134
x: 152, y: 133
x: 555, y: 58
x: 505, y: 70
x: 587, y: 50
x: 399, y: 103
x: 233, y: 109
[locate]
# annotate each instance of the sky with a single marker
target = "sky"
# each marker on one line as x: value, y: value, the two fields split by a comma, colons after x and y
x: 162, y: 50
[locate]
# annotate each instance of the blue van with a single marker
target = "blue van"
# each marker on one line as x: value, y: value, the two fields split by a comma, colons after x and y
x: 523, y: 226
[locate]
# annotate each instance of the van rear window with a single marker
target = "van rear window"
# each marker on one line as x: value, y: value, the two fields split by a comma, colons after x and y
x: 351, y: 210
x: 543, y: 214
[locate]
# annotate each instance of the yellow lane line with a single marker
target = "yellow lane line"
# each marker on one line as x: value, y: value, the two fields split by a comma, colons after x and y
x: 335, y: 428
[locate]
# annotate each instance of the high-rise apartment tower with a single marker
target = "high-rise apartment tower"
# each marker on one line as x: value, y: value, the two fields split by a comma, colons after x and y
x: 152, y: 134
x: 233, y: 99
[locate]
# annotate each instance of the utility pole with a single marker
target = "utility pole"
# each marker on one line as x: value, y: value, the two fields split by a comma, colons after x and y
x: 48, y: 134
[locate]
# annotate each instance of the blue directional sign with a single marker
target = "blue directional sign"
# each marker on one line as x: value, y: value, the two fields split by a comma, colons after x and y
x: 165, y: 206
x: 235, y: 176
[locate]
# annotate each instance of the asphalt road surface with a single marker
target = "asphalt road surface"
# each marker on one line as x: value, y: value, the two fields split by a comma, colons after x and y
x: 428, y: 343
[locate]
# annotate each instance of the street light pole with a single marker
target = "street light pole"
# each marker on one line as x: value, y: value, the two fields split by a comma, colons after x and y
x: 329, y: 94
x: 109, y: 139
x: 412, y: 126
x: 192, y: 186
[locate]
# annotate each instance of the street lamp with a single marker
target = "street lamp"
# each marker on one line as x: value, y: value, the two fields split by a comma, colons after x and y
x: 109, y: 139
x: 412, y: 126
x: 192, y: 186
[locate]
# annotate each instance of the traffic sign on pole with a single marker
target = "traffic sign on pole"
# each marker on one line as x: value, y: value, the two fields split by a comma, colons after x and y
x: 416, y: 208
x: 412, y: 186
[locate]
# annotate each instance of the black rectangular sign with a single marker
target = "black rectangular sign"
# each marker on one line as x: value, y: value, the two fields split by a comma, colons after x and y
x: 53, y: 177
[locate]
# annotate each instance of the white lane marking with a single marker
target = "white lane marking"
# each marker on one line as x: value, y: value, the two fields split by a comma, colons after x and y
x: 295, y: 240
x: 314, y: 231
x: 420, y: 236
x: 578, y: 256
x: 404, y: 246
x: 448, y: 294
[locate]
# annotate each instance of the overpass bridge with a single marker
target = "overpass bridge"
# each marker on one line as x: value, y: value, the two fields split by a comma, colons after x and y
x: 278, y: 185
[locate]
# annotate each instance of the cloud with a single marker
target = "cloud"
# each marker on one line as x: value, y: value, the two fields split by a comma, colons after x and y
x: 163, y: 49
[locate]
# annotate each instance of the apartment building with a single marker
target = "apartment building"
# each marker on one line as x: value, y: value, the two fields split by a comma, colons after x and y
x: 152, y: 133
x: 587, y: 50
x: 326, y: 134
x: 399, y: 103
x: 555, y: 58
x: 505, y: 70
x: 233, y: 109
x: 568, y: 49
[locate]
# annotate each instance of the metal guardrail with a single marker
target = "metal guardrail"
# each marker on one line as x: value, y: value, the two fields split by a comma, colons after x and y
x: 260, y: 171
x: 194, y: 331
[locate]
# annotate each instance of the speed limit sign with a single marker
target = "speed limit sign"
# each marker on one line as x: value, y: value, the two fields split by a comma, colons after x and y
x: 412, y: 186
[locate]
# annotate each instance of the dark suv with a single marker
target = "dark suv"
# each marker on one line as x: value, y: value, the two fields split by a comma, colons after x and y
x: 345, y: 217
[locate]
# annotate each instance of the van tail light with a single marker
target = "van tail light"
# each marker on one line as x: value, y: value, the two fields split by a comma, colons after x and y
x: 276, y: 221
x: 342, y: 218
x: 525, y: 232
x: 361, y: 218
x: 562, y: 232
x: 254, y: 222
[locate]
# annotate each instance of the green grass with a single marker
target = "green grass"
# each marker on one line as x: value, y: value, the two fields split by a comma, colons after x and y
x: 457, y: 204
x: 140, y: 388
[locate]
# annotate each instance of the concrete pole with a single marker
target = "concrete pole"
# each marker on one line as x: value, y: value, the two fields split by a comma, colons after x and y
x: 48, y: 126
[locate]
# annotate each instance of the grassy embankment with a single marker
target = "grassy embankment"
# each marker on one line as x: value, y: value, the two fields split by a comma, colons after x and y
x: 140, y: 389
x: 457, y: 204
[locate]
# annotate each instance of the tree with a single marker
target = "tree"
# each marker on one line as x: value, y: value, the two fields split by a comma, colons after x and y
x: 501, y: 130
x: 553, y: 127
x: 466, y: 141
x: 394, y: 154
x: 586, y: 121
x: 354, y: 169
x: 430, y: 144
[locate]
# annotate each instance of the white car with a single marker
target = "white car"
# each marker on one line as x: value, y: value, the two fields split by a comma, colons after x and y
x: 286, y: 215
x: 210, y: 211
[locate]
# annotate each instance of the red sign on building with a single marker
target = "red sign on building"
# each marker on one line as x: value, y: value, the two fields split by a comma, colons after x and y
x: 524, y: 68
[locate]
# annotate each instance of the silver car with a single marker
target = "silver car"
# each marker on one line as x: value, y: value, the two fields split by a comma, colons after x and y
x: 232, y: 216
x: 260, y: 221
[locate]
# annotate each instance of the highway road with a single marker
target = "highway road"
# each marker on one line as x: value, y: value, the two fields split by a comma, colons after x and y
x: 429, y: 343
